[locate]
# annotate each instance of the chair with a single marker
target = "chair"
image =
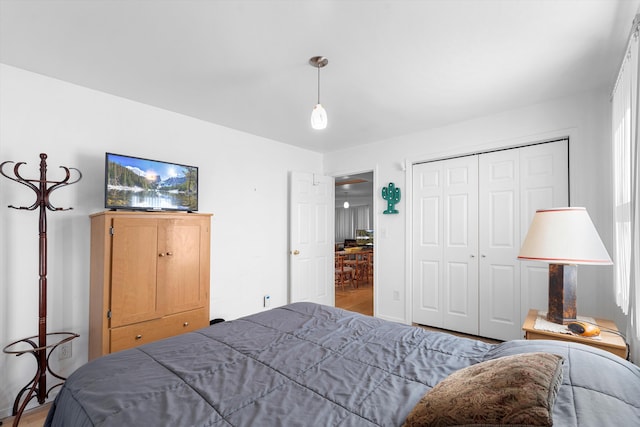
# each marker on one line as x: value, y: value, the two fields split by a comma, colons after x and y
x: 367, y: 256
x: 357, y: 261
x: 343, y: 272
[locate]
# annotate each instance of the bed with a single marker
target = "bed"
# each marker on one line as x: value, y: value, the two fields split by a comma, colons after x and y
x: 308, y: 364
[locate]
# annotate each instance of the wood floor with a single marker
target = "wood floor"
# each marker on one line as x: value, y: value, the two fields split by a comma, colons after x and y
x: 358, y: 299
x: 31, y: 418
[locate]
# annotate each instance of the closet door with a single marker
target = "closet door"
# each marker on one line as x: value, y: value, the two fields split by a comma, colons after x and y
x: 427, y: 244
x: 513, y: 185
x: 445, y: 244
x: 544, y: 183
x: 470, y: 216
x: 499, y: 269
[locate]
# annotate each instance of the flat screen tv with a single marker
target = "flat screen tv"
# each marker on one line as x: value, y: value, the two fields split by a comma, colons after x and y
x: 153, y: 185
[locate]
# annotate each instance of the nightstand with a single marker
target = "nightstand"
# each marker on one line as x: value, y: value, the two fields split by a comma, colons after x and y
x: 608, y: 341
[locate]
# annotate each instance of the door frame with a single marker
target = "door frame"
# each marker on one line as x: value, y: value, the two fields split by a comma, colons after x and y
x: 376, y: 236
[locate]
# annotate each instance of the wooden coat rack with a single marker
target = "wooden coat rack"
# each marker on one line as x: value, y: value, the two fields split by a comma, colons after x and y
x: 41, y: 349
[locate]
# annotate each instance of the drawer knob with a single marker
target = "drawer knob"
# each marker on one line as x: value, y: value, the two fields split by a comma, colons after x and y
x: 161, y: 254
x: 185, y: 324
x: 169, y: 253
x: 138, y: 337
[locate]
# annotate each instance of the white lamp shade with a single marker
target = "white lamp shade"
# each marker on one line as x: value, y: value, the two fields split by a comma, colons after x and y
x: 564, y: 236
x: 318, y: 117
x: 345, y: 204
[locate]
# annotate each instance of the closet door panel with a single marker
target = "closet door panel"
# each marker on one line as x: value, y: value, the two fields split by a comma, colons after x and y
x: 544, y: 175
x: 427, y: 244
x: 535, y: 286
x: 460, y: 281
x: 458, y: 290
x: 499, y: 272
x: 429, y: 292
x: 430, y: 276
x: 499, y: 286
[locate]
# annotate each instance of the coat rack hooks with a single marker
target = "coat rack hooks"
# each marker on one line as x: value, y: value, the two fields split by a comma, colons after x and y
x: 42, y: 192
x: 41, y: 350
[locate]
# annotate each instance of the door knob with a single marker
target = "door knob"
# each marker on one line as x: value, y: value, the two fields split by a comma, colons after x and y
x: 296, y: 252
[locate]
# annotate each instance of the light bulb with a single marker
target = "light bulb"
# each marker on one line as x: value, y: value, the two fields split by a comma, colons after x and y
x: 346, y: 204
x: 318, y: 117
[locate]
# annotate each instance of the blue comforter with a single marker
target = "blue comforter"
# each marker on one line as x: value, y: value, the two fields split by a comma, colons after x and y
x: 307, y: 364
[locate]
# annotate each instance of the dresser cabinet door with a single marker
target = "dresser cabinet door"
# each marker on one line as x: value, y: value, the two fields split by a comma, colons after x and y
x: 134, y: 292
x: 182, y: 272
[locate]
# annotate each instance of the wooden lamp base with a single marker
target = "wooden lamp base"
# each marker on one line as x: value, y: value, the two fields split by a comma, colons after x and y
x: 563, y: 284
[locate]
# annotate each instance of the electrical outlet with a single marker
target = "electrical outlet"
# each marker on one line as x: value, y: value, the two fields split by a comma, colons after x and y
x: 266, y: 301
x: 64, y: 351
x: 396, y: 296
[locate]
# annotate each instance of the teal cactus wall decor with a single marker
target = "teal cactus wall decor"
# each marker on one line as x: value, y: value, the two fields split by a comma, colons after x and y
x: 392, y: 195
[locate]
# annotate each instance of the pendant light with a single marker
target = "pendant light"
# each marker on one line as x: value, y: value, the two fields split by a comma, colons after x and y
x: 346, y: 202
x: 318, y: 115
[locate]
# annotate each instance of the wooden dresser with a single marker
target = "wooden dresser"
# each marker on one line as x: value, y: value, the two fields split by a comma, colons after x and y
x: 149, y: 277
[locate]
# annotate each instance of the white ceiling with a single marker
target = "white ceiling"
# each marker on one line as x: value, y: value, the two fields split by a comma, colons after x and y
x: 356, y: 185
x: 395, y: 67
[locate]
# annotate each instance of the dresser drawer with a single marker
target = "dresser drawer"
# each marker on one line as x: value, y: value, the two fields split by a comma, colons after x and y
x: 186, y: 321
x: 153, y: 330
x: 137, y: 334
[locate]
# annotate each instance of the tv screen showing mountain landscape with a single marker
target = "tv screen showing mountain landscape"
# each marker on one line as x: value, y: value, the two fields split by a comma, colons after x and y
x: 137, y: 183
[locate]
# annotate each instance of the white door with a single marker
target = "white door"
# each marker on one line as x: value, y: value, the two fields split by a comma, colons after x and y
x: 470, y: 216
x: 513, y: 185
x: 311, y: 238
x: 445, y: 244
x: 427, y: 296
x: 544, y: 183
x: 499, y: 269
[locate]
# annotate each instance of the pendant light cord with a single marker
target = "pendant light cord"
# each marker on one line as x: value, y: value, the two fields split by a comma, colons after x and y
x: 318, y: 84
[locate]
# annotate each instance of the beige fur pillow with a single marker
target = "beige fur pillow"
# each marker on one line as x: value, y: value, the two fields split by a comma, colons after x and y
x: 513, y: 390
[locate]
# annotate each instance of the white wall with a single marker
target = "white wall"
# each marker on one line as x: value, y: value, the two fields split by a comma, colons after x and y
x: 585, y: 118
x: 243, y: 182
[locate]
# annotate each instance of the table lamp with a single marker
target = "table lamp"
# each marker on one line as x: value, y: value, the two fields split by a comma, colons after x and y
x: 563, y: 237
